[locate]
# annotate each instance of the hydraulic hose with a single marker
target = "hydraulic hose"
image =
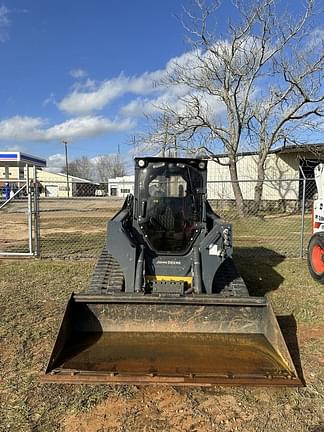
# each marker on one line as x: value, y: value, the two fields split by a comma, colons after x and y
x: 197, y: 270
x: 139, y: 271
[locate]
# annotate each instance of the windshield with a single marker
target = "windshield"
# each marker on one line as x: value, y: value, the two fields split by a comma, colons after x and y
x: 170, y: 197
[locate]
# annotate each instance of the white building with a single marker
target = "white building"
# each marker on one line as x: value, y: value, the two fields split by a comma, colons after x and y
x: 121, y: 186
x: 55, y: 185
x: 284, y: 168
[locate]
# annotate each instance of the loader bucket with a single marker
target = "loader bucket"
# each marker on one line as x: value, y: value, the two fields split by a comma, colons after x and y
x: 196, y: 340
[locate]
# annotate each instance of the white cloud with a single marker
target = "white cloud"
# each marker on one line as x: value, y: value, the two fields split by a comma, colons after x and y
x: 83, y: 85
x: 37, y: 129
x: 176, y: 98
x: 146, y: 83
x: 50, y: 100
x: 88, y: 126
x: 82, y: 102
x: 136, y: 108
x: 78, y: 73
x: 88, y: 97
x: 315, y: 39
x: 89, y: 84
x: 21, y: 128
x: 4, y: 23
x: 55, y: 162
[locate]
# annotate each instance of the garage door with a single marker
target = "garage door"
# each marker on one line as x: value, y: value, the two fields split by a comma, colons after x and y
x: 51, y: 191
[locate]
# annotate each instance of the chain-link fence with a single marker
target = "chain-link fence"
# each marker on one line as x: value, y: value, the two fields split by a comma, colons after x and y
x: 73, y: 222
x: 18, y: 222
x: 74, y: 219
x: 280, y: 222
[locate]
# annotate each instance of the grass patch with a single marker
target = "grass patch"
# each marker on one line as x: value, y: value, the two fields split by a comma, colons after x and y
x: 33, y: 295
x: 84, y: 235
x: 75, y: 245
x: 287, y: 283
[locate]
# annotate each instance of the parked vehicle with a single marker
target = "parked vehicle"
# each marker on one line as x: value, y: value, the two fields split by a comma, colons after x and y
x: 315, y: 256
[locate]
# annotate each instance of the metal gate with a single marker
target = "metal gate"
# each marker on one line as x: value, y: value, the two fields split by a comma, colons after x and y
x: 19, y: 217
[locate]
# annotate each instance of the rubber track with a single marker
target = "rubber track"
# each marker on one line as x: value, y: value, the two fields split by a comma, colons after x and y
x: 107, y: 276
x: 228, y: 281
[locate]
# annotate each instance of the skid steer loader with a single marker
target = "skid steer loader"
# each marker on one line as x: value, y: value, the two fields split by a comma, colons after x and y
x: 315, y: 255
x: 166, y: 304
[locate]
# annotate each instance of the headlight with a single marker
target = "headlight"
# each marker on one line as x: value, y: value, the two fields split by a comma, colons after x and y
x: 201, y: 165
x: 141, y: 163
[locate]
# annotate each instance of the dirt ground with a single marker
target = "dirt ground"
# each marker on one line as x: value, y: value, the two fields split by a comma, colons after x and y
x: 58, y: 218
x: 33, y: 295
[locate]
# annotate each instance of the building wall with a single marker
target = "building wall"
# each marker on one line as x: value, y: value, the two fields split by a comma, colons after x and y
x: 11, y: 172
x: 281, y: 171
x: 121, y: 186
x: 53, y: 184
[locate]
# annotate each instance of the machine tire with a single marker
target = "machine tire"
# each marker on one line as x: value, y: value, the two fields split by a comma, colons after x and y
x: 315, y: 257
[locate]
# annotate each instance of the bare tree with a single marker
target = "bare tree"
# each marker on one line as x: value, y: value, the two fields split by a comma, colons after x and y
x: 292, y: 105
x: 82, y: 167
x: 109, y: 166
x: 99, y: 169
x: 253, y: 82
x: 160, y: 136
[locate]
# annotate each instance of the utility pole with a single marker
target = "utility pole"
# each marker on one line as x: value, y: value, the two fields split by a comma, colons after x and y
x: 67, y: 167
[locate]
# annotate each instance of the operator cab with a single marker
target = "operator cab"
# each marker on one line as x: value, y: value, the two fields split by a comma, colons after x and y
x: 170, y: 202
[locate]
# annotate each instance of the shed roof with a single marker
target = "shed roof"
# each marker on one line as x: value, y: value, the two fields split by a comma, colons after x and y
x: 72, y: 178
x: 316, y: 149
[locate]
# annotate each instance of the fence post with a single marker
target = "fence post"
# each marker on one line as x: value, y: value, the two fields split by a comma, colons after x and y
x: 302, y: 229
x: 29, y: 211
x: 36, y: 215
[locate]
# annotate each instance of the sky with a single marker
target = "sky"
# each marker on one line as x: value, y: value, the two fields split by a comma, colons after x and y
x: 71, y: 70
x: 85, y: 72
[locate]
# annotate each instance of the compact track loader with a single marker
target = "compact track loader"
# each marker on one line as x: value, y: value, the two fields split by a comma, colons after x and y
x: 166, y: 303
